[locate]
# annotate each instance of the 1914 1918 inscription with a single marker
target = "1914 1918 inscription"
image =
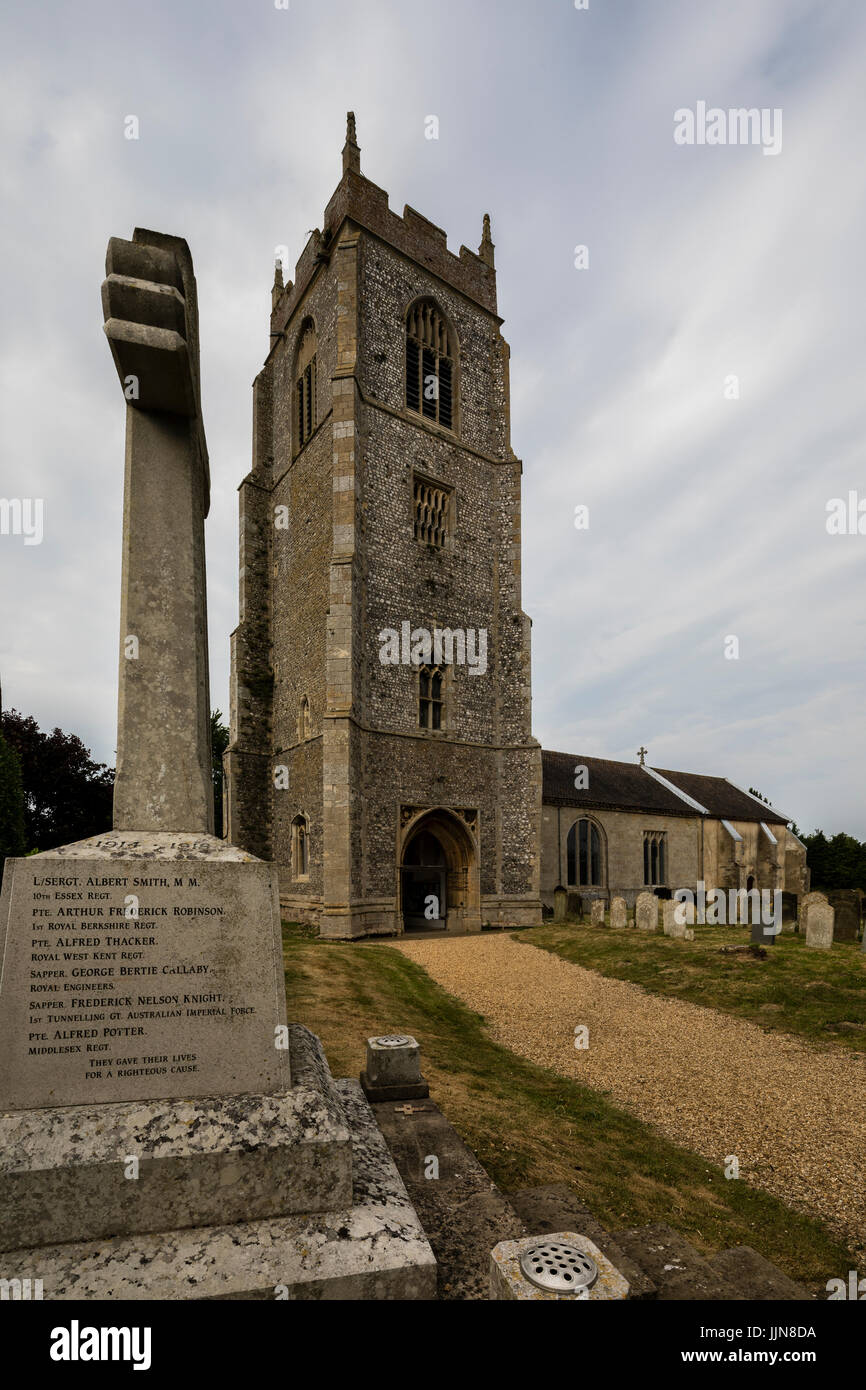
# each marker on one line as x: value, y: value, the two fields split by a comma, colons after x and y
x: 130, y: 978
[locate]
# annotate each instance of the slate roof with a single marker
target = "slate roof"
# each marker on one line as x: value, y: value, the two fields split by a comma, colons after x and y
x: 612, y: 786
x: 722, y: 799
x: 615, y: 786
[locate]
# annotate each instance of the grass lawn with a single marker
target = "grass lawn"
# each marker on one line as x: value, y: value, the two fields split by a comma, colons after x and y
x: 796, y: 989
x: 529, y: 1126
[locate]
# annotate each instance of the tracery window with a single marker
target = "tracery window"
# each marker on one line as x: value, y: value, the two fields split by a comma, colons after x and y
x: 584, y: 855
x: 431, y: 697
x: 655, y: 858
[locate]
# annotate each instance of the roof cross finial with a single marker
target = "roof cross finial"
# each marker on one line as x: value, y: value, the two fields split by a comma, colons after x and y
x: 642, y: 752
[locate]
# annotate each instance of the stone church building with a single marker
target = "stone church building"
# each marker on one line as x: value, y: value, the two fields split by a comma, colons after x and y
x: 381, y: 745
x: 620, y: 828
x: 384, y: 497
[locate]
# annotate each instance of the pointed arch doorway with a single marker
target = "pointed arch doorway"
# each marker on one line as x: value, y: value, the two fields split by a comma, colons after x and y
x: 438, y: 873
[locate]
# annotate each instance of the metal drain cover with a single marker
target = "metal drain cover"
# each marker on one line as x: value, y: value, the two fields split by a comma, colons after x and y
x: 559, y: 1267
x: 393, y: 1040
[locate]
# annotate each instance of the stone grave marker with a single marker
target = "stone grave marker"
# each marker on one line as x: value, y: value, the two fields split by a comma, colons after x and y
x: 618, y: 912
x: 596, y: 912
x: 805, y: 903
x: 846, y: 905
x: 819, y: 926
x: 646, y: 912
x: 674, y: 918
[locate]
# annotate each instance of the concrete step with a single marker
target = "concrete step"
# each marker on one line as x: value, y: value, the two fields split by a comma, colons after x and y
x: 756, y: 1277
x: 678, y: 1270
x: 545, y: 1211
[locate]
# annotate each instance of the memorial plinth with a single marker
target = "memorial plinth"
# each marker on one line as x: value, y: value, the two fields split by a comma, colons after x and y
x: 140, y: 966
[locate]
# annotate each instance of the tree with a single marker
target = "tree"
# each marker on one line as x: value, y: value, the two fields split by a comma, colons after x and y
x: 67, y: 796
x: 839, y: 862
x: 219, y: 738
x: 12, y: 841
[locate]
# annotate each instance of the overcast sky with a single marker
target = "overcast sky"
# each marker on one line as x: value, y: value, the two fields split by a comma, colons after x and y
x: 707, y: 515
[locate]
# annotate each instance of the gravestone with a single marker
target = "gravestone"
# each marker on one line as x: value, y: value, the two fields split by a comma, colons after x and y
x: 674, y: 918
x: 596, y: 912
x: 819, y: 926
x: 560, y: 904
x: 165, y: 1132
x: 789, y: 911
x: 805, y: 903
x: 618, y: 912
x: 646, y: 912
x: 846, y: 905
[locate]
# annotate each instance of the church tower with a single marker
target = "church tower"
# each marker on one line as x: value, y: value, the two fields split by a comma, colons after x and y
x: 381, y: 749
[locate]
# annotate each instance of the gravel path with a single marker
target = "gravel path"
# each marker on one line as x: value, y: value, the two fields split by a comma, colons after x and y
x: 795, y: 1117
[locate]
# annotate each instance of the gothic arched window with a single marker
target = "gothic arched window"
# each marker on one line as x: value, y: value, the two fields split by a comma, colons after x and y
x: 304, y: 720
x: 300, y: 847
x: 584, y: 852
x: 305, y: 384
x: 430, y: 358
x: 655, y: 868
x: 431, y: 697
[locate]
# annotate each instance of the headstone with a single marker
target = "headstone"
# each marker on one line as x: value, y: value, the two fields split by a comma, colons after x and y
x: 597, y: 912
x: 846, y: 904
x: 560, y: 904
x: 819, y: 926
x: 789, y: 911
x: 618, y: 913
x: 674, y: 918
x: 803, y: 907
x: 575, y: 905
x: 142, y: 1002
x: 761, y: 933
x: 646, y: 912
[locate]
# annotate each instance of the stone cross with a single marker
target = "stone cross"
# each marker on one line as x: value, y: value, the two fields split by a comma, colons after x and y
x: 163, y: 780
x: 642, y: 753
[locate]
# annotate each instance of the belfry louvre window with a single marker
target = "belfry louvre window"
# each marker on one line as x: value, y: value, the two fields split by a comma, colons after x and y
x: 429, y: 364
x: 305, y: 386
x: 655, y: 854
x: 431, y: 512
x: 431, y: 692
x: 584, y: 854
